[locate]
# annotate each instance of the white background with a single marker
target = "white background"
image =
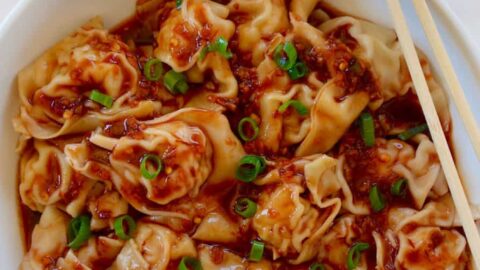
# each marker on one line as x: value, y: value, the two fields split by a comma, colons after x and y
x: 466, y: 10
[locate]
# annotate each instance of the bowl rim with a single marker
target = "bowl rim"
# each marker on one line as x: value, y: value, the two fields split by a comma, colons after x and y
x: 465, y: 43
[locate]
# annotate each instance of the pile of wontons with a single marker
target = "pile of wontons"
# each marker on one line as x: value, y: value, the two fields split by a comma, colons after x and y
x: 313, y: 196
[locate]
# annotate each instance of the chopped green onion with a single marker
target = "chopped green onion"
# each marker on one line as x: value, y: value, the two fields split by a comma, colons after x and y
x: 376, y: 199
x: 285, y: 63
x: 105, y: 100
x: 367, y: 129
x: 298, y: 71
x: 254, y: 126
x: 119, y: 227
x: 175, y: 82
x: 299, y: 107
x: 189, y: 263
x: 353, y: 257
x: 250, y: 167
x: 181, y: 87
x: 179, y: 3
x: 256, y: 252
x: 78, y: 231
x: 143, y: 166
x: 399, y: 187
x: 220, y: 45
x: 203, y: 53
x: 412, y: 132
x: 245, y: 207
x: 316, y: 266
x: 153, y: 70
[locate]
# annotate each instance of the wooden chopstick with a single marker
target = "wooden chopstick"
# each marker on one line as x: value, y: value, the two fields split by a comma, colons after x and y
x: 451, y: 78
x: 456, y: 189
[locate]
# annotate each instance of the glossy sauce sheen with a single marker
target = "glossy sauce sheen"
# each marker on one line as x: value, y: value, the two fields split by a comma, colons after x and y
x: 361, y: 172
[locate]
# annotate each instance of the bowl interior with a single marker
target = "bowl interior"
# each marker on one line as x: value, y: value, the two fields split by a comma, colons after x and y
x: 34, y: 26
x: 31, y: 28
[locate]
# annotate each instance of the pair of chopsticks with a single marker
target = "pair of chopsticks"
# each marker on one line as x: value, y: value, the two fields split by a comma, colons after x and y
x: 456, y: 189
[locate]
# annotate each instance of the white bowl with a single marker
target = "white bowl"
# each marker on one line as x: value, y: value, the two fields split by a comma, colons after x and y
x: 33, y: 26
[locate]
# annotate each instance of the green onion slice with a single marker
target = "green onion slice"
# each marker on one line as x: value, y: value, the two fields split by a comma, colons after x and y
x: 146, y: 173
x: 119, y: 227
x: 250, y: 167
x: 105, y: 100
x: 153, y: 70
x: 178, y: 3
x: 288, y: 50
x: 254, y: 126
x: 256, y: 252
x: 204, y: 52
x: 220, y: 46
x: 78, y: 231
x: 353, y: 257
x: 412, y: 132
x: 399, y: 187
x: 367, y: 129
x: 299, y: 107
x: 175, y: 82
x: 299, y: 70
x: 245, y: 207
x: 316, y: 266
x: 189, y: 263
x: 376, y: 199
